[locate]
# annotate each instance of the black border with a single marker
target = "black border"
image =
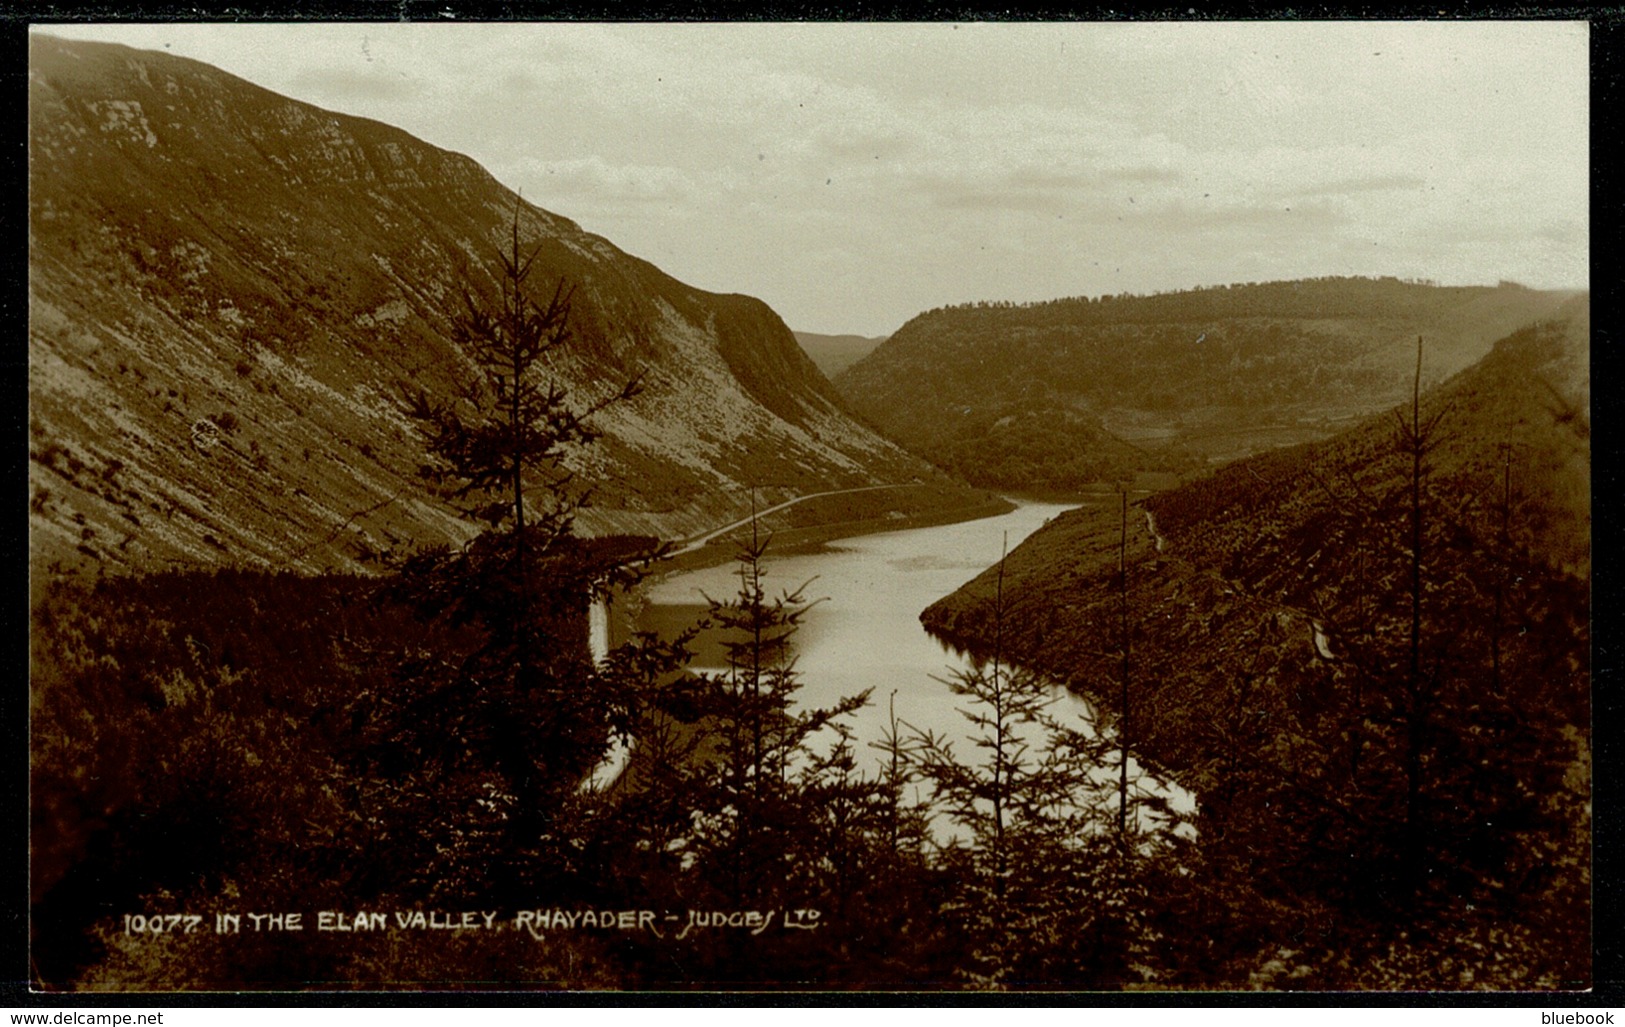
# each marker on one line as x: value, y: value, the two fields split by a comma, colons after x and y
x: 1607, y: 27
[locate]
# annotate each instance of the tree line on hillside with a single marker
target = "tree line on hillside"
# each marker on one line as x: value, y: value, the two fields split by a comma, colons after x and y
x: 423, y: 741
x: 1369, y: 659
x: 1076, y: 392
x: 1027, y: 408
x: 1323, y: 297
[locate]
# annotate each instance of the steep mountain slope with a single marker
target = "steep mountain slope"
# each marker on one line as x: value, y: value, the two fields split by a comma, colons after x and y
x: 1400, y: 732
x: 835, y: 353
x: 1061, y: 394
x: 228, y: 289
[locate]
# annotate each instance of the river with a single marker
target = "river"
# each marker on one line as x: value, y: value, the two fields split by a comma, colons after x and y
x: 864, y: 630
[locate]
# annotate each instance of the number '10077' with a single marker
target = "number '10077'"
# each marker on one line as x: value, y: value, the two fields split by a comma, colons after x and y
x: 161, y: 923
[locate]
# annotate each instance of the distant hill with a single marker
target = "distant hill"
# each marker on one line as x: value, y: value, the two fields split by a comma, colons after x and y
x: 1259, y: 522
x: 1271, y: 668
x: 229, y: 288
x: 835, y: 353
x: 1063, y: 394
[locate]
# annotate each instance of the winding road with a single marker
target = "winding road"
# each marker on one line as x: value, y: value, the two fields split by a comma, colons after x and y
x: 698, y: 541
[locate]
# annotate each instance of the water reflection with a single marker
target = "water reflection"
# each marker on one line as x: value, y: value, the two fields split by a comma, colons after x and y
x: 864, y: 630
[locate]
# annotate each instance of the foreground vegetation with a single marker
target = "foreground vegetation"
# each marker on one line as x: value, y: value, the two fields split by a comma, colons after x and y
x: 253, y: 743
x: 1370, y: 659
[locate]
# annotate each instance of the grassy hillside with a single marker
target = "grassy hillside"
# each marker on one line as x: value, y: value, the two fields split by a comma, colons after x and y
x: 1065, y: 393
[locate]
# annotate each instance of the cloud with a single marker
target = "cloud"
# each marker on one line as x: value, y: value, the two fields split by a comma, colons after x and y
x: 342, y: 85
x: 596, y: 180
x: 1568, y: 232
x: 1030, y: 178
x: 1361, y: 184
x: 1031, y: 188
x: 849, y: 142
x: 1179, y: 217
x: 522, y: 84
x: 1149, y: 175
x: 973, y: 199
x: 1022, y: 189
x: 954, y: 162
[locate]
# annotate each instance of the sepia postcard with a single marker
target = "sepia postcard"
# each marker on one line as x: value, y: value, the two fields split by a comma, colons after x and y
x: 790, y: 507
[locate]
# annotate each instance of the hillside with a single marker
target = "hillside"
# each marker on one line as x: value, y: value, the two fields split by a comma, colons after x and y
x: 1061, y: 394
x: 835, y: 353
x: 1274, y: 672
x: 228, y: 290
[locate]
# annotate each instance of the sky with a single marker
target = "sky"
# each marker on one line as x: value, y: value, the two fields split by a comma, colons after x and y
x: 853, y: 176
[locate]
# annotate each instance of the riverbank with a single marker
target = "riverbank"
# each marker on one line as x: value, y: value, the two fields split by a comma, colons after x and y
x: 627, y: 608
x: 809, y: 538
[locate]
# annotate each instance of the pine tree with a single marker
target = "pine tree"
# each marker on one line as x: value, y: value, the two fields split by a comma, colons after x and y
x: 759, y: 732
x: 732, y: 801
x: 496, y: 739
x: 1046, y: 873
